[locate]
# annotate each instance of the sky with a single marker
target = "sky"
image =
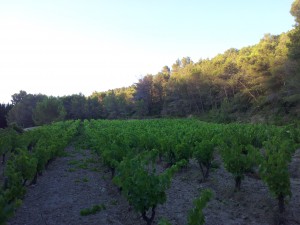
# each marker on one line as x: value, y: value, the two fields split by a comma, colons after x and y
x: 64, y: 47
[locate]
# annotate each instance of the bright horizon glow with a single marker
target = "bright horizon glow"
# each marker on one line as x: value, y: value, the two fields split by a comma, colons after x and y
x: 65, y: 47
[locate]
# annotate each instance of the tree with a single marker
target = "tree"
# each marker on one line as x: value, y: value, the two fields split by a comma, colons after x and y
x: 291, y: 91
x: 49, y: 110
x: 176, y: 101
x: 295, y: 11
x: 159, y: 91
x: 118, y: 103
x: 95, y: 109
x: 186, y: 61
x: 143, y: 95
x: 111, y: 105
x: 18, y: 97
x: 294, y: 46
x: 4, y: 109
x: 166, y: 70
x: 75, y: 106
x: 78, y: 106
x: 21, y: 113
x: 176, y: 66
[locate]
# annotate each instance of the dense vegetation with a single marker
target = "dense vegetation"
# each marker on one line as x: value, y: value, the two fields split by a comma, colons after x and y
x: 131, y: 149
x: 4, y: 109
x: 256, y: 83
x: 25, y: 155
x: 134, y: 149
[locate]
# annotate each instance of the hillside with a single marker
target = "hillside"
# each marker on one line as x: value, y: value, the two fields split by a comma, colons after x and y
x: 258, y: 83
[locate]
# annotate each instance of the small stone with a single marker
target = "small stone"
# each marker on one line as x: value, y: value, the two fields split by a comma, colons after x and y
x: 245, y: 217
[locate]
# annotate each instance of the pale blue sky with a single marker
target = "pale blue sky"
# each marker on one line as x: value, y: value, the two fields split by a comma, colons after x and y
x: 62, y: 47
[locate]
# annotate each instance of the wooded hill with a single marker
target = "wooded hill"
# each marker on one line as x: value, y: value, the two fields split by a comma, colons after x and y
x: 259, y: 83
x: 260, y: 79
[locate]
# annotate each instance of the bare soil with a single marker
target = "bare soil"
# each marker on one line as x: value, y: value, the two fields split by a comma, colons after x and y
x: 79, y: 181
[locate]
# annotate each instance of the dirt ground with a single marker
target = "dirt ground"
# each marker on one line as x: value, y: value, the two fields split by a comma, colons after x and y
x: 79, y: 181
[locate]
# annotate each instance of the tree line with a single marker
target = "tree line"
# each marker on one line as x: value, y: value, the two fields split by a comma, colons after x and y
x: 29, y: 110
x: 262, y: 79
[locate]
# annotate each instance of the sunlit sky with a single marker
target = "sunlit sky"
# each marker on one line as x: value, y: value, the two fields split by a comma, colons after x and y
x: 64, y: 47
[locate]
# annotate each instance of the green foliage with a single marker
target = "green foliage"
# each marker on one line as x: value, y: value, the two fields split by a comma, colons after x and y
x: 4, y: 109
x: 113, y: 155
x: 15, y: 188
x: 118, y: 102
x: 183, y: 151
x: 132, y: 147
x: 48, y: 110
x: 274, y: 168
x: 203, y: 153
x: 6, y: 209
x: 238, y: 153
x: 92, y: 210
x: 22, y: 111
x: 77, y: 106
x: 238, y: 160
x: 196, y: 216
x: 295, y: 11
x: 164, y: 221
x: 22, y: 161
x: 29, y: 153
x: 8, y: 140
x: 140, y: 183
